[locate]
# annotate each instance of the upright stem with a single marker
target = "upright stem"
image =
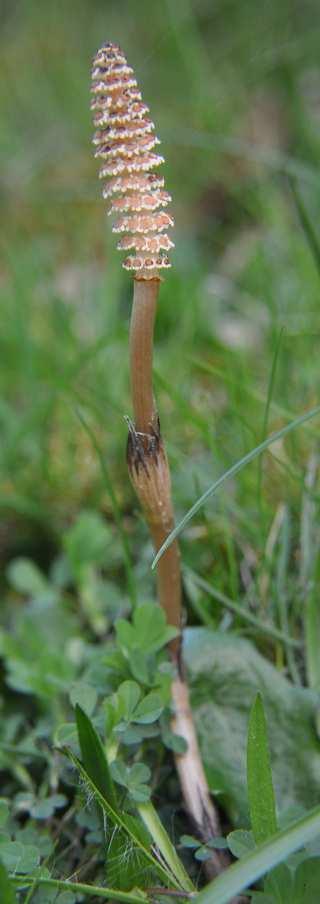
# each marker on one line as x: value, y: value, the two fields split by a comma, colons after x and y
x: 150, y: 475
x: 147, y: 458
x: 145, y: 296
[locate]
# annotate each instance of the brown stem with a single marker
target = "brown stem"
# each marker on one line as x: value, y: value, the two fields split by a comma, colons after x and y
x: 145, y: 296
x: 150, y: 475
x: 147, y: 460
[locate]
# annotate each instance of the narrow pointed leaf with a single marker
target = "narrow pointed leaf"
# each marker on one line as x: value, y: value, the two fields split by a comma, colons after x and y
x: 259, y: 777
x: 164, y: 844
x: 94, y: 758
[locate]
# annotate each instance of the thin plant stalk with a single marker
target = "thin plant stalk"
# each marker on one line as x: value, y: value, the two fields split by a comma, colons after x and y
x: 150, y: 475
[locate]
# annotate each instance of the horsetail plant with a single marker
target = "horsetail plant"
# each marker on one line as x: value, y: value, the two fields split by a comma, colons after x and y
x: 125, y: 142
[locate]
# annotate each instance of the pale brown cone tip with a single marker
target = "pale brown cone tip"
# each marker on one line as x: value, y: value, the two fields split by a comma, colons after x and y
x: 125, y: 142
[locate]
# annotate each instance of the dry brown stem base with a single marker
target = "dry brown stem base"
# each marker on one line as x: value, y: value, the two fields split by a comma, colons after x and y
x: 193, y: 781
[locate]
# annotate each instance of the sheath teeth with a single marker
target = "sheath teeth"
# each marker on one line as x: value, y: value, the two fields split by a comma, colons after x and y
x: 144, y: 224
x: 125, y: 142
x: 128, y: 149
x: 139, y: 165
x: 140, y: 202
x: 140, y: 183
x: 146, y: 263
x: 153, y: 244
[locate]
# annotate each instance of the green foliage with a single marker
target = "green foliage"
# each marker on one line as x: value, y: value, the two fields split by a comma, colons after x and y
x: 262, y: 859
x: 146, y: 635
x: 202, y: 852
x: 259, y: 777
x: 19, y: 858
x: 226, y: 672
x: 26, y: 578
x: 94, y: 758
x: 86, y: 543
x: 134, y: 779
x: 7, y: 892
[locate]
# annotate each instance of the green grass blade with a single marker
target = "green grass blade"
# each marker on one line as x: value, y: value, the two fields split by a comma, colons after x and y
x: 282, y: 583
x: 94, y: 758
x: 267, y: 407
x: 116, y: 510
x: 312, y: 634
x: 251, y: 391
x: 80, y: 888
x: 238, y: 610
x: 306, y: 224
x: 230, y: 473
x: 241, y: 875
x: 261, y: 797
x: 7, y: 894
x: 161, y: 839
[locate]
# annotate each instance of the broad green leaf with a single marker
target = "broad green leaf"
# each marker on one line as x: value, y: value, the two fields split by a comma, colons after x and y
x: 36, y: 652
x: 4, y: 811
x: 94, y: 597
x: 218, y: 843
x: 279, y: 884
x: 17, y: 857
x: 37, y: 836
x: 225, y: 674
x: 148, y: 632
x: 25, y: 577
x: 43, y: 809
x: 7, y: 894
x: 119, y: 772
x: 139, y: 773
x: 264, y: 858
x: 139, y: 662
x: 189, y: 841
x: 171, y: 740
x: 306, y: 889
x: 125, y: 634
x: 94, y: 758
x: 151, y: 627
x: 240, y: 842
x: 259, y: 777
x: 149, y: 709
x: 85, y: 695
x: 133, y: 778
x: 128, y: 696
x: 202, y: 854
x: 66, y: 734
x: 135, y: 734
x: 87, y: 541
x: 140, y: 794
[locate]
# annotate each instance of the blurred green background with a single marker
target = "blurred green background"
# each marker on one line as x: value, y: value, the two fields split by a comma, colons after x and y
x: 234, y: 89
